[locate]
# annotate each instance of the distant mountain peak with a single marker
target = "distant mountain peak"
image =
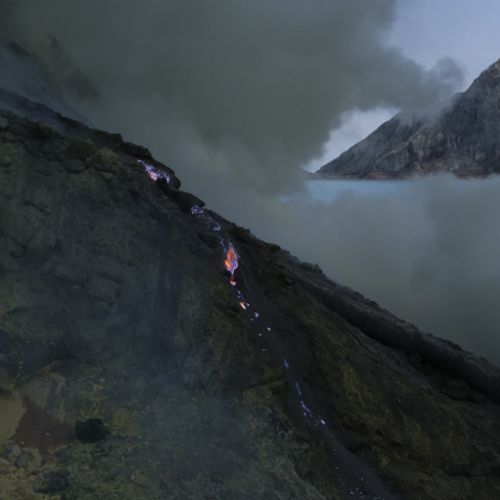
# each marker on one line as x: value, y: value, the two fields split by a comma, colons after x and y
x: 494, y: 69
x: 463, y: 140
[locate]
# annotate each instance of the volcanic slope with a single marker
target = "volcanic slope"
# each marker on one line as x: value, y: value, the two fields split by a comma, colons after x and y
x: 221, y: 366
x: 462, y: 140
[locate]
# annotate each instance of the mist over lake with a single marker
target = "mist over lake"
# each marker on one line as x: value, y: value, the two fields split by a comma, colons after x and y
x: 425, y: 249
x: 329, y: 190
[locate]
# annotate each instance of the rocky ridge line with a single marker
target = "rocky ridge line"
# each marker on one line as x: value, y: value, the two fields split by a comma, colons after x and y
x: 462, y: 140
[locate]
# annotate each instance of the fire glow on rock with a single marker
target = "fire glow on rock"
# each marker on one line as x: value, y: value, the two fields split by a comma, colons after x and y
x: 154, y: 173
x: 231, y: 264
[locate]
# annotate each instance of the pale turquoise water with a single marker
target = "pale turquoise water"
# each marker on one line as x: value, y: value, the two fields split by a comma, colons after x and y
x: 332, y: 189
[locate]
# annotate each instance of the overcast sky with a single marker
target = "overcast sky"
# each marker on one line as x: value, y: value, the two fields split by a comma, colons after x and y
x: 426, y: 31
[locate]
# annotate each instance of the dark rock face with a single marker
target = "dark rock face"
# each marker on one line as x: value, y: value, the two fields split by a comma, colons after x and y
x: 91, y: 430
x: 462, y: 140
x: 53, y: 482
x: 116, y: 305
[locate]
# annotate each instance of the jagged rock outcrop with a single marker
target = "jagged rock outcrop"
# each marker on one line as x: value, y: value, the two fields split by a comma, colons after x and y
x: 462, y: 140
x: 116, y: 305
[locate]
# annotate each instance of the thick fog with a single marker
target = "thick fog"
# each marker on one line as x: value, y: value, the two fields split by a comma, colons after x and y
x: 234, y: 92
x: 428, y: 251
x: 238, y: 96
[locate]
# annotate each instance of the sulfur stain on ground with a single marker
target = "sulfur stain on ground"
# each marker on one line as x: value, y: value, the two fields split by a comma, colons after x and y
x: 12, y: 410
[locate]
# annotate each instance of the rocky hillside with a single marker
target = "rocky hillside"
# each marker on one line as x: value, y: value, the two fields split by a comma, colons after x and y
x: 462, y: 140
x: 150, y: 349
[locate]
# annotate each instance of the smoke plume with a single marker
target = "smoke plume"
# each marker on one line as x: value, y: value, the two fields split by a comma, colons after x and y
x: 232, y: 93
x: 237, y: 96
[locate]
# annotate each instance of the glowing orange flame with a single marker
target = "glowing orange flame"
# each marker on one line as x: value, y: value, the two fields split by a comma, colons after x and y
x: 231, y: 260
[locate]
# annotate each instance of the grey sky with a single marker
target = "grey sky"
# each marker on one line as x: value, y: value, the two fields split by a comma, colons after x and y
x: 466, y: 30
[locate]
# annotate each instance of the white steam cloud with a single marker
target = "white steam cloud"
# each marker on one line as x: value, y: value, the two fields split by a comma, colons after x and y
x: 238, y: 95
x: 235, y: 93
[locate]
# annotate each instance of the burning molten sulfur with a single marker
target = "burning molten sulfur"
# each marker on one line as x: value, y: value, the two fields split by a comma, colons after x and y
x: 231, y: 260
